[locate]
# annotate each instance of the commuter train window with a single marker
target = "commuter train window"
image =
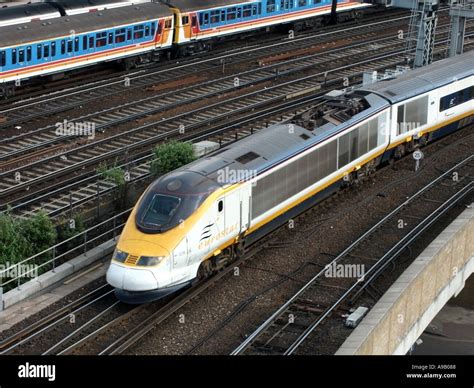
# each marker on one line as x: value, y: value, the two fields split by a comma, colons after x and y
x: 138, y: 35
x: 46, y: 51
x: 119, y: 38
x: 239, y: 13
x: 111, y: 37
x: 158, y: 30
x: 247, y: 11
x: 254, y: 10
x: 53, y: 49
x: 231, y: 13
x: 185, y: 20
x: 28, y: 54
x: 63, y: 47
x: 69, y: 46
x: 153, y: 28
x: 39, y: 51
x: 84, y: 42
x: 220, y: 206
x: 21, y: 56
x: 76, y: 44
x: 223, y: 15
x: 302, y: 3
x: 215, y: 16
x: 193, y: 21
x: 129, y: 34
x: 3, y: 59
x: 14, y: 57
x: 168, y: 23
x: 91, y: 42
x: 206, y: 18
x: 147, y: 30
x: 271, y: 6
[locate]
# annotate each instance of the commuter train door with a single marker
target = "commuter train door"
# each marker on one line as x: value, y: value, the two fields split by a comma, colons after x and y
x: 194, y: 25
x: 244, y: 221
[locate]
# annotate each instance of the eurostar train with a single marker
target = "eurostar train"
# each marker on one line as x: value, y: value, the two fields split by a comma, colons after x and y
x: 132, y: 35
x: 193, y: 221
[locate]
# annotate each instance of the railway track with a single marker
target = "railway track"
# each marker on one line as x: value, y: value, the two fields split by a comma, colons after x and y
x: 132, y: 141
x: 67, y: 99
x: 62, y: 316
x: 297, y: 324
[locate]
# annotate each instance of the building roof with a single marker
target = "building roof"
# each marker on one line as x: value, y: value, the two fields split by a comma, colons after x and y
x: 424, y: 79
x: 50, y: 29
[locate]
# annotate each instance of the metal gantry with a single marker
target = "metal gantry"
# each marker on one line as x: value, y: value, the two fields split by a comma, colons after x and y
x: 460, y: 11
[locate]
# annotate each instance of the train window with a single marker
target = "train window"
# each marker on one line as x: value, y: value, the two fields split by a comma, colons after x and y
x: 153, y: 28
x: 3, y: 58
x: 193, y: 21
x: 28, y: 54
x: 91, y: 42
x: 111, y: 37
x: 343, y: 153
x: 76, y: 44
x: 220, y: 206
x: 223, y: 12
x: 147, y: 30
x: 254, y: 9
x: 53, y: 49
x: 239, y: 13
x: 14, y: 57
x: 373, y: 132
x: 39, y: 51
x: 401, y: 119
x: 457, y: 98
x: 416, y: 113
x: 271, y: 6
x: 168, y: 23
x: 63, y: 47
x: 138, y: 35
x: 247, y: 11
x: 231, y: 13
x: 84, y: 42
x: 185, y: 20
x: 363, y: 139
x: 206, y: 18
x: 46, y: 51
x: 201, y: 19
x: 302, y: 3
x: 69, y: 46
x: 215, y: 15
x: 129, y: 34
x: 21, y: 56
x: 160, y: 24
x: 353, y: 145
x: 119, y: 38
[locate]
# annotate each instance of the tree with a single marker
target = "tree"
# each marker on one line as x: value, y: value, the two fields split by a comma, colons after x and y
x: 170, y: 156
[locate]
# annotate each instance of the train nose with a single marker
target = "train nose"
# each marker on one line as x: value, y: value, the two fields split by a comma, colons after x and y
x: 132, y: 279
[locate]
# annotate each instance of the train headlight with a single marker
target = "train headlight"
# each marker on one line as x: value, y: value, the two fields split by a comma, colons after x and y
x: 149, y: 261
x: 119, y: 255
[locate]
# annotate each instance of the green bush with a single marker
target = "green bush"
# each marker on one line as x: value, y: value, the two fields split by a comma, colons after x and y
x: 67, y: 230
x: 170, y: 156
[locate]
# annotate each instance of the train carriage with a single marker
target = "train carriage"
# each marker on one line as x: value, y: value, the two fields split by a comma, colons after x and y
x: 62, y: 44
x: 198, y: 20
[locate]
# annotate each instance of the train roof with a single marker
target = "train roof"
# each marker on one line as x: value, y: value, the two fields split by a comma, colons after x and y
x: 193, y: 5
x: 79, y: 4
x: 49, y: 29
x: 25, y: 10
x: 270, y: 146
x: 424, y: 79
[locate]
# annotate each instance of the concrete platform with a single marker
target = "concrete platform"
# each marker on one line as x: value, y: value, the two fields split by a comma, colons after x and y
x: 410, y: 304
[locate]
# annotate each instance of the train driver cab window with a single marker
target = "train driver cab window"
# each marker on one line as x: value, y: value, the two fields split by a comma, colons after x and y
x: 185, y: 20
